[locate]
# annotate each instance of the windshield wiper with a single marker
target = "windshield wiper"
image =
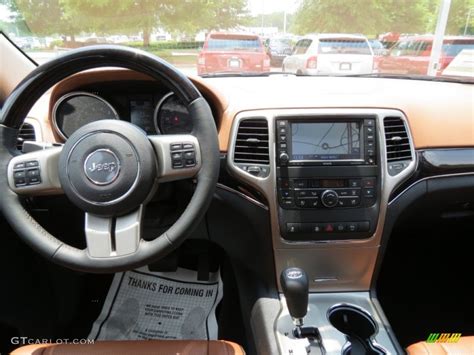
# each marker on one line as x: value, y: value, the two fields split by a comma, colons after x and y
x: 451, y: 79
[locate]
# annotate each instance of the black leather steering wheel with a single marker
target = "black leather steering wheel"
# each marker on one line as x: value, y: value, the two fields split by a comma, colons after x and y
x: 109, y: 169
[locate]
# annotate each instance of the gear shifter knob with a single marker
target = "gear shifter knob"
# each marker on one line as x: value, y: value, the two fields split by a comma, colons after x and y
x: 294, y: 283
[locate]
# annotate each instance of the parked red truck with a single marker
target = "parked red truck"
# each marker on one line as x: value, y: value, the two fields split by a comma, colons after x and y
x: 232, y: 52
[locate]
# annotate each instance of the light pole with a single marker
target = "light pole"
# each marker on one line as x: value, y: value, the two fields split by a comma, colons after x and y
x: 438, y: 37
x: 468, y: 19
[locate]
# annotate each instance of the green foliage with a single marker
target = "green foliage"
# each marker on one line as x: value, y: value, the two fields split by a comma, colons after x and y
x: 103, y: 17
x: 372, y: 17
x: 165, y: 45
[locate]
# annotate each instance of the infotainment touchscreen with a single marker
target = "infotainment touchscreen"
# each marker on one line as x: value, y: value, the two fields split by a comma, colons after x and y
x: 325, y: 141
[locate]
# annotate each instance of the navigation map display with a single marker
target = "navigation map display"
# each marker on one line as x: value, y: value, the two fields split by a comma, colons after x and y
x: 325, y: 141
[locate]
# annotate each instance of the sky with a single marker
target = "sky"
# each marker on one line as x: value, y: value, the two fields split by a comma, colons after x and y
x: 257, y: 7
x: 4, y: 12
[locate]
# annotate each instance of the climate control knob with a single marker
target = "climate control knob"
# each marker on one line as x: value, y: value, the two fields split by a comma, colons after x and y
x: 284, y: 158
x: 329, y: 198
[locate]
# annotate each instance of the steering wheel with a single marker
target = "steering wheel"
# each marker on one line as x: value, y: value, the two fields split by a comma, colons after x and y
x: 110, y: 169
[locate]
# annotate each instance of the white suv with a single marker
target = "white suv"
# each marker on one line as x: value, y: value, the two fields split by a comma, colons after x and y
x: 324, y: 54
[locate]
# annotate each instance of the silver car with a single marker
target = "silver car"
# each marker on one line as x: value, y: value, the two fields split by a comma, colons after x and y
x: 330, y: 54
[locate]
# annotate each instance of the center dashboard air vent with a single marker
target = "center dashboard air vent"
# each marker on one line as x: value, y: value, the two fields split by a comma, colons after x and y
x: 26, y: 133
x: 398, y: 146
x: 251, y: 152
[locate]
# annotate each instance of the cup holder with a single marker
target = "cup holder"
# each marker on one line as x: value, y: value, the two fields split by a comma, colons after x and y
x: 358, y: 326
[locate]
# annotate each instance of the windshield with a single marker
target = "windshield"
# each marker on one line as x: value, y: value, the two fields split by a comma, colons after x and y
x: 258, y: 37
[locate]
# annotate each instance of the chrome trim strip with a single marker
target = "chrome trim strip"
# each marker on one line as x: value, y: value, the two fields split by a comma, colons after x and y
x: 428, y: 178
x: 157, y: 109
x: 248, y: 198
x: 72, y: 94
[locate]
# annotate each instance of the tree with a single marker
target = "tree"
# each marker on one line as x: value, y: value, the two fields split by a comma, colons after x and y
x: 71, y: 17
x: 363, y: 16
x: 459, y: 16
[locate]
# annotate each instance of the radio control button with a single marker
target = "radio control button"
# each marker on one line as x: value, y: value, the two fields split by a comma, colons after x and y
x: 303, y: 203
x: 369, y: 130
x: 284, y: 158
x: 286, y: 203
x: 369, y: 123
x: 283, y: 138
x: 302, y: 193
x: 312, y: 202
x: 316, y: 228
x: 370, y: 144
x: 352, y: 226
x: 300, y: 184
x: 293, y: 227
x: 329, y: 198
x: 368, y: 182
x: 369, y: 192
x: 354, y: 183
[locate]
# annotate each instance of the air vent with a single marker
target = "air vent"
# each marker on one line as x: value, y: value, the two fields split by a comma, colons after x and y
x: 27, y: 133
x: 397, y: 140
x: 251, y: 146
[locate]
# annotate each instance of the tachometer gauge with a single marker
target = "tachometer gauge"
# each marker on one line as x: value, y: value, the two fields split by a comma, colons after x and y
x: 172, y: 116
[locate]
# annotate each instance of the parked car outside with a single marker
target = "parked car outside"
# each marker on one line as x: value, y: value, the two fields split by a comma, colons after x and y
x: 278, y: 48
x: 232, y: 52
x: 411, y: 54
x: 329, y: 54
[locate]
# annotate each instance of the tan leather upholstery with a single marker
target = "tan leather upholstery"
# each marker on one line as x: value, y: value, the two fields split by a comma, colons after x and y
x: 150, y: 347
x: 465, y: 346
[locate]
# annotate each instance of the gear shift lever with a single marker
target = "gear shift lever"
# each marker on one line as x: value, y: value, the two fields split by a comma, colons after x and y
x: 294, y: 283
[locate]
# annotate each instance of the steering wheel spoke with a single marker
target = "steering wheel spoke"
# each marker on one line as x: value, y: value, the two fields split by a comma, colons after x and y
x: 116, y: 236
x: 179, y: 156
x: 35, y: 173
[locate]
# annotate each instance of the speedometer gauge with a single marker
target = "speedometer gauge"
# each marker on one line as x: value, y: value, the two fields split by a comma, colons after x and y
x: 76, y: 109
x: 172, y: 116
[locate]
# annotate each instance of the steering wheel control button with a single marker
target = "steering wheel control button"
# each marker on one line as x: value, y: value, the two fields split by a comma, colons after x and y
x: 102, y: 167
x: 26, y: 173
x: 183, y: 155
x: 31, y: 164
x: 19, y: 166
x: 176, y: 146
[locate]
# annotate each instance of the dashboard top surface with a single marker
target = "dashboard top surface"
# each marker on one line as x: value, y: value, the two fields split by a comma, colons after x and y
x: 440, y: 114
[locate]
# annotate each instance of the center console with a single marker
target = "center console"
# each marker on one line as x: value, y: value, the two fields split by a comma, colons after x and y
x: 328, y: 179
x: 326, y: 176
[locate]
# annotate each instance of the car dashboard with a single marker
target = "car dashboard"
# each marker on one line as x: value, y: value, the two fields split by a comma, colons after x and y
x: 332, y: 197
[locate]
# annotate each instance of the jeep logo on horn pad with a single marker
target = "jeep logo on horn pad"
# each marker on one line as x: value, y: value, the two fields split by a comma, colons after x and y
x: 102, y: 167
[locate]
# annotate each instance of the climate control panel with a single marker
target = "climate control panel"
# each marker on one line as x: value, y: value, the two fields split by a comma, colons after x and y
x: 327, y: 193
